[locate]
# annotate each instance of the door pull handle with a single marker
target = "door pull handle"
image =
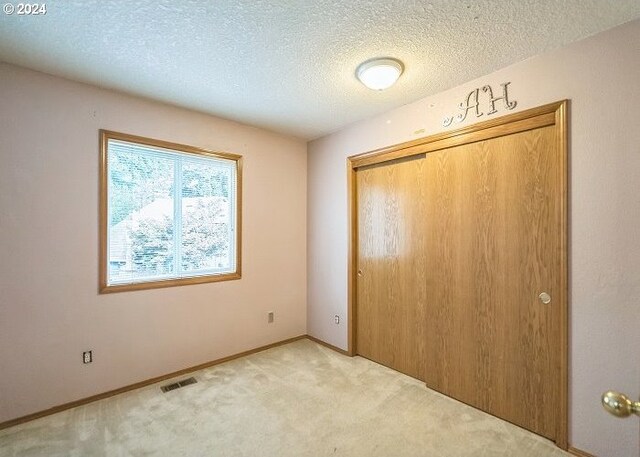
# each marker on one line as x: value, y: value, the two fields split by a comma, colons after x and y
x: 619, y: 404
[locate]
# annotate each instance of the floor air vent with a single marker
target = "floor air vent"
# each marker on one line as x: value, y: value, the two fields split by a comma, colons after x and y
x: 177, y: 385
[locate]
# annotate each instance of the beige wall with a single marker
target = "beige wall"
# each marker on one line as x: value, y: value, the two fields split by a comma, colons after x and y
x: 49, y: 307
x: 601, y: 77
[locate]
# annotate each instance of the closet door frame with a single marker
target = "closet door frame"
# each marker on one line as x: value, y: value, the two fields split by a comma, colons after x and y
x: 553, y: 114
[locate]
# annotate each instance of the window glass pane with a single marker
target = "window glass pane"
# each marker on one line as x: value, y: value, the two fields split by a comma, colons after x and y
x: 208, y: 215
x: 141, y: 213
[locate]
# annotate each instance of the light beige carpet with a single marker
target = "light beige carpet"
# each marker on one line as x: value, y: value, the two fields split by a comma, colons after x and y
x: 300, y: 399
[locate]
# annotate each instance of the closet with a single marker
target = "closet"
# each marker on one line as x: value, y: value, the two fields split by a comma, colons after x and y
x: 459, y: 265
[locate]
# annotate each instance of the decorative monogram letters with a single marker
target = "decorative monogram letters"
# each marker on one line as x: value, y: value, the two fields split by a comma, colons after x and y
x: 472, y: 103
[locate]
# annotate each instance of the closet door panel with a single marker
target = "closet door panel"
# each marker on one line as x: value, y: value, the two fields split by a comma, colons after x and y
x: 493, y: 238
x: 391, y: 265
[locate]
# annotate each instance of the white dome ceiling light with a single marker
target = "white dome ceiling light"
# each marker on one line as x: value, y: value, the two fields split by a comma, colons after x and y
x: 380, y: 73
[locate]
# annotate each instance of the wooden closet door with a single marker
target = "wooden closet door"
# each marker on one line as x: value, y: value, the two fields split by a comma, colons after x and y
x: 493, y: 220
x: 391, y: 265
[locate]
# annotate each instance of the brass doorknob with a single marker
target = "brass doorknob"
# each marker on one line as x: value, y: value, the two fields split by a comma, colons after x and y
x: 619, y: 404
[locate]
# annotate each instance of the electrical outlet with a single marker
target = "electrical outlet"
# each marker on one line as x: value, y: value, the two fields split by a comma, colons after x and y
x: 270, y: 317
x: 336, y: 319
x: 87, y: 357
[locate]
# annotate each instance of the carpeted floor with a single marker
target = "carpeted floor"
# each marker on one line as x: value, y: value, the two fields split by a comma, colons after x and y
x: 297, y: 400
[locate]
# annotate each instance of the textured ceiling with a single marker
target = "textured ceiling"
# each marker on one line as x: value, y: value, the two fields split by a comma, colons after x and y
x: 289, y: 65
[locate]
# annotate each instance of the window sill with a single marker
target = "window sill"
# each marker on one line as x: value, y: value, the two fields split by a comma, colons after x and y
x: 107, y: 289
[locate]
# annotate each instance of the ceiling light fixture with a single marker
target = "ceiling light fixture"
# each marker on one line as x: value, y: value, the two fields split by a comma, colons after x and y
x: 379, y: 73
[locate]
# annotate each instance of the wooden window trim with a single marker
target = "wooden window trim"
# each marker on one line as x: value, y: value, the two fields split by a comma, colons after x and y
x: 105, y: 136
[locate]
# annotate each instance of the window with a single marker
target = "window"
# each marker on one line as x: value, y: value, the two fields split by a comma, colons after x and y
x: 169, y: 214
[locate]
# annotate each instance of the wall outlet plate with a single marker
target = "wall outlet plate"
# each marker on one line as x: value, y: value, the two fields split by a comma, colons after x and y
x: 270, y: 317
x: 87, y: 357
x: 336, y: 319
